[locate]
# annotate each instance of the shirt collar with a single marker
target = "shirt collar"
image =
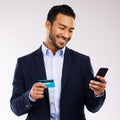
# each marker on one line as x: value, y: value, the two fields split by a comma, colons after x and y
x: 47, y: 51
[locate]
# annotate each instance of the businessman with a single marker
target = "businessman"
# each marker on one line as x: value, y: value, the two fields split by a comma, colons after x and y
x: 70, y: 71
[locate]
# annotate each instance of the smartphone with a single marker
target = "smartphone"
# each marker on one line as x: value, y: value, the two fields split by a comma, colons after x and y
x: 101, y: 72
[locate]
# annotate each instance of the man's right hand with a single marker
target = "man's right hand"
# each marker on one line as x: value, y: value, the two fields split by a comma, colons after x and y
x: 37, y: 91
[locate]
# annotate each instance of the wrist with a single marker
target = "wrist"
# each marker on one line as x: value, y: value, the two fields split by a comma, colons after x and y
x: 31, y: 99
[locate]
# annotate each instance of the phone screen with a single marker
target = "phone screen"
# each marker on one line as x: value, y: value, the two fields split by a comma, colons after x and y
x: 101, y: 72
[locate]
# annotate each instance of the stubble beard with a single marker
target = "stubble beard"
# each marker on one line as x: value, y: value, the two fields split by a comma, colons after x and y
x: 53, y: 42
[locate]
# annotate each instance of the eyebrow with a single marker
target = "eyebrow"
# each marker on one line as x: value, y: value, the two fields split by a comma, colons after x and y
x: 66, y: 26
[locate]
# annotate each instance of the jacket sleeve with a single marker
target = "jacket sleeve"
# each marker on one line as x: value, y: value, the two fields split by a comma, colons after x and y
x: 20, y: 103
x: 92, y: 102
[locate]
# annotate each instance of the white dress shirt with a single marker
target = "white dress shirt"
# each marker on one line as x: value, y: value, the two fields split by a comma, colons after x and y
x: 53, y: 67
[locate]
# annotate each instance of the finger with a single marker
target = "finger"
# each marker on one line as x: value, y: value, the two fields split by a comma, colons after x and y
x: 100, y: 84
x: 37, y: 91
x: 36, y: 94
x: 101, y: 79
x: 40, y: 85
x: 96, y: 87
x: 97, y: 90
x: 39, y: 96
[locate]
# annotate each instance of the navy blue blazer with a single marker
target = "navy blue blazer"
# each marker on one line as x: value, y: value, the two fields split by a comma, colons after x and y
x: 75, y: 93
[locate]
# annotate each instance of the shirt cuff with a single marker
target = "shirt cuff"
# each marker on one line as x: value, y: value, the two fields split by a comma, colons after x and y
x: 100, y: 95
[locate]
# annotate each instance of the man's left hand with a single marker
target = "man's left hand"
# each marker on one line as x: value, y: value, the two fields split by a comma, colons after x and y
x: 98, y: 87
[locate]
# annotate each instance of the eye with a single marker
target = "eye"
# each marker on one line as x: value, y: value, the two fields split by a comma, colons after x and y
x: 62, y: 28
x: 71, y: 30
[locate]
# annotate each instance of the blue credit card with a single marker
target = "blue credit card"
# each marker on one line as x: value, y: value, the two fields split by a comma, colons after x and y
x: 48, y: 83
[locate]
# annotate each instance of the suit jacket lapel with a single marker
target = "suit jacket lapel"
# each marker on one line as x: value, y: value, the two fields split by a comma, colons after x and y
x: 66, y: 67
x: 39, y: 61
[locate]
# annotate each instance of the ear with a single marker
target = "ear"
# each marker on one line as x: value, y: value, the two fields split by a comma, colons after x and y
x: 48, y: 25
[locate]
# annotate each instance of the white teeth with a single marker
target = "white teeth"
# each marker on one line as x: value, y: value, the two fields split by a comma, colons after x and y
x: 61, y: 38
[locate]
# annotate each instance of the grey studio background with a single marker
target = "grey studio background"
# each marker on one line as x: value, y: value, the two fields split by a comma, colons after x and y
x: 97, y: 34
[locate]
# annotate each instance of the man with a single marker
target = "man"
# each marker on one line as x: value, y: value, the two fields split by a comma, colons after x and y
x: 71, y: 71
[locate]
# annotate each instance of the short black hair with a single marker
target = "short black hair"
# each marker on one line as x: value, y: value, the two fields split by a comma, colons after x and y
x: 63, y: 9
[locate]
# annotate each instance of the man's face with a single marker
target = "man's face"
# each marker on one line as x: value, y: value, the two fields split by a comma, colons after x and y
x: 60, y: 32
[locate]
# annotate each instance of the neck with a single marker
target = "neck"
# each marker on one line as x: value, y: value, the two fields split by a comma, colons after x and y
x: 50, y: 47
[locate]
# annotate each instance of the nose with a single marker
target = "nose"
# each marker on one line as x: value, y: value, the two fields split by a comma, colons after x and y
x: 66, y: 34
